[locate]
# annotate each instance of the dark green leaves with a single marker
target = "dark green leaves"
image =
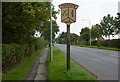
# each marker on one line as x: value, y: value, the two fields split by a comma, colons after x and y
x: 20, y: 20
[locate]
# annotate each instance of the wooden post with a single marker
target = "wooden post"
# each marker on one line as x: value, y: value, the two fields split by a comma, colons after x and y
x: 68, y: 16
x: 68, y: 46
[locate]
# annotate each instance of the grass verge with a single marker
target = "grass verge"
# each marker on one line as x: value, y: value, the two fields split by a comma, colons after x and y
x: 105, y: 48
x: 21, y: 71
x: 57, y: 69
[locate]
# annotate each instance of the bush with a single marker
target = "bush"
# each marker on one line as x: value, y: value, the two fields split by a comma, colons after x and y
x: 114, y: 43
x: 10, y: 55
x: 82, y: 42
x: 13, y: 53
x: 39, y: 43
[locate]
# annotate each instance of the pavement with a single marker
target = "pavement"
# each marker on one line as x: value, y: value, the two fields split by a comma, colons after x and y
x: 102, y: 63
x: 39, y: 68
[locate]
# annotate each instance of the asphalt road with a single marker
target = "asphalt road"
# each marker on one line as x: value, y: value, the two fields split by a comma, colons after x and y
x: 102, y: 63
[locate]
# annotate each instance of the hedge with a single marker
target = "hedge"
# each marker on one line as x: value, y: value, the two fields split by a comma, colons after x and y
x: 114, y: 43
x: 12, y: 54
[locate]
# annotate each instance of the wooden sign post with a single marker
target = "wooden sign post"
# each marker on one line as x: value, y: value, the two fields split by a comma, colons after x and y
x: 68, y: 16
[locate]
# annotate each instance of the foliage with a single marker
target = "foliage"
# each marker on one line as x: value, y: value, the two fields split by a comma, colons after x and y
x: 46, y: 32
x: 57, y: 69
x: 20, y: 20
x: 117, y: 24
x: 114, y: 43
x: 108, y: 26
x: 96, y: 31
x: 100, y: 47
x: 61, y: 39
x: 74, y: 38
x: 85, y: 34
x: 39, y: 43
x: 25, y: 66
x: 13, y: 53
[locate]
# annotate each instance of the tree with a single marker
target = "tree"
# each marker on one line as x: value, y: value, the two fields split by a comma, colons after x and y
x: 74, y: 38
x: 85, y: 34
x: 117, y: 24
x: 45, y: 30
x: 62, y: 38
x: 21, y: 20
x: 96, y: 31
x: 108, y: 26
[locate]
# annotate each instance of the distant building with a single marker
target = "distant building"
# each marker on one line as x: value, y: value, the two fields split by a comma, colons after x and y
x: 101, y: 38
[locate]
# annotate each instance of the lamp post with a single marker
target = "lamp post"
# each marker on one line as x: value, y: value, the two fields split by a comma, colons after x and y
x: 51, y: 57
x: 119, y: 7
x: 118, y: 15
x: 89, y: 27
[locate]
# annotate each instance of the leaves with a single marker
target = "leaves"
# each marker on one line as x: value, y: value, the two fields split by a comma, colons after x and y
x: 21, y: 19
x: 96, y: 31
x: 46, y: 33
x: 108, y: 25
x: 85, y: 34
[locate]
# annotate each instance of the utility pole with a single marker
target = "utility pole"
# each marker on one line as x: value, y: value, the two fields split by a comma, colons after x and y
x: 118, y: 38
x: 90, y: 31
x: 51, y: 53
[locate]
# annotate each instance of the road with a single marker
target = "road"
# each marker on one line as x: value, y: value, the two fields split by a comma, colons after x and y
x: 102, y: 63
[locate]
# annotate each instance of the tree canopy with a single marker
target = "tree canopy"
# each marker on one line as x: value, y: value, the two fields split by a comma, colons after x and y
x: 96, y: 31
x: 74, y: 38
x: 117, y: 24
x: 21, y: 20
x: 108, y: 26
x: 85, y: 34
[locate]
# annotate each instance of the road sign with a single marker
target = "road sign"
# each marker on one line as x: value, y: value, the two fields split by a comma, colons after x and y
x: 68, y: 16
x: 68, y: 13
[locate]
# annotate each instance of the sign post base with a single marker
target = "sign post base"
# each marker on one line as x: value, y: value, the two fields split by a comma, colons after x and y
x: 68, y: 46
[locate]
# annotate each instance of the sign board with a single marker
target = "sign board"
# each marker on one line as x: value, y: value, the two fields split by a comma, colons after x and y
x: 68, y: 13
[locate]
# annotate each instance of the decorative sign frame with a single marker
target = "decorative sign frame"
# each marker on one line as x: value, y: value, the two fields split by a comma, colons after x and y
x: 68, y: 12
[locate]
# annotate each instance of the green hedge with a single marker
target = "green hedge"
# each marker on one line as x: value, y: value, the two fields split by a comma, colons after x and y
x: 12, y: 54
x: 114, y: 43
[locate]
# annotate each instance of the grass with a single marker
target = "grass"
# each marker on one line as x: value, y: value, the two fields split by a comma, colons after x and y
x: 21, y: 71
x: 57, y: 69
x: 105, y: 48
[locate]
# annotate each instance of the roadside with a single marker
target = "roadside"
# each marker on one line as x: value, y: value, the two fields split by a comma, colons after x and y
x: 105, y: 48
x: 39, y: 68
x: 102, y: 63
x: 21, y: 71
x: 57, y: 69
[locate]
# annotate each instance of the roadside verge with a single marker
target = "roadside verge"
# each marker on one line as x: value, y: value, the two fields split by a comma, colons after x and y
x: 57, y: 69
x: 22, y: 70
x: 105, y: 48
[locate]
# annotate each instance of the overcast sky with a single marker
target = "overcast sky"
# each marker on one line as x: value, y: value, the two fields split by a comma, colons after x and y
x: 94, y: 10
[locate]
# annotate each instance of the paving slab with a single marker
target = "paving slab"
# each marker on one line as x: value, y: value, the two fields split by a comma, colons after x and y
x: 39, y: 68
